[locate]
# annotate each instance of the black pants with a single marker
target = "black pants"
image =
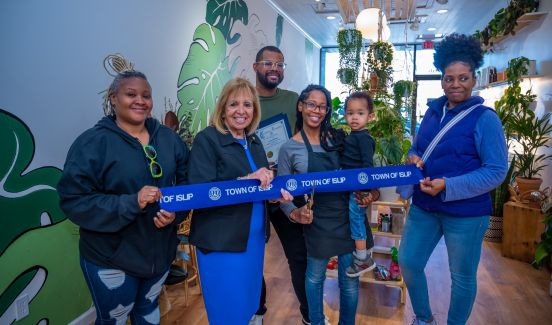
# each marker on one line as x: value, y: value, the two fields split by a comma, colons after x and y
x: 293, y: 242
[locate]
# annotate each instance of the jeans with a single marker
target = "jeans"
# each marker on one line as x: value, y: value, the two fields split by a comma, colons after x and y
x: 358, y: 222
x: 463, y: 239
x: 293, y: 242
x: 348, y: 290
x: 117, y: 295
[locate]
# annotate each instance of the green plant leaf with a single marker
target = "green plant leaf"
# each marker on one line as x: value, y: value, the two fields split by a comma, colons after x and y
x: 28, y: 198
x: 222, y: 14
x: 203, y: 75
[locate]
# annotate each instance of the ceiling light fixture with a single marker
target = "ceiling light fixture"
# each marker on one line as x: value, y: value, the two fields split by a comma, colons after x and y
x: 442, y: 11
x: 368, y: 23
x: 431, y: 29
x: 330, y: 17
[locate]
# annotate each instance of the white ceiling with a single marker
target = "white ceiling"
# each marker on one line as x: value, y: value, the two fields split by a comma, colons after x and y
x: 463, y: 16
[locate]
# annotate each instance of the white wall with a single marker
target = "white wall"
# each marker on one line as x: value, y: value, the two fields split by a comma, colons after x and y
x: 51, y: 59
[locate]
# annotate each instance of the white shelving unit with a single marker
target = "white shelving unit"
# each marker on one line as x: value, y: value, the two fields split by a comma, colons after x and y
x: 368, y: 277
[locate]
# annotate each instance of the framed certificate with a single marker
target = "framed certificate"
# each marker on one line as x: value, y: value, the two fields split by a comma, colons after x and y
x: 273, y: 132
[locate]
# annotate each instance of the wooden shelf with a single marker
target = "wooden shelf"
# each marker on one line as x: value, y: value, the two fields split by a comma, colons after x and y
x: 522, y: 22
x: 369, y: 277
x: 505, y: 82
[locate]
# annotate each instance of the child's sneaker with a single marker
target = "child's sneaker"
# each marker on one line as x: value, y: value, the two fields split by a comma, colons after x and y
x: 359, y: 266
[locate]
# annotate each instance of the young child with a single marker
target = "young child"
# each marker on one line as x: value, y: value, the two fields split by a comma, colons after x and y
x: 359, y: 153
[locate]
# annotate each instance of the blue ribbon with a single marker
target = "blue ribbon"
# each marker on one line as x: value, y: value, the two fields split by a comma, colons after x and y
x: 205, y: 195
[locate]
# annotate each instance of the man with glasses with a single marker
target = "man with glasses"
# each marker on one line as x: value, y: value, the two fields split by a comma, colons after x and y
x: 269, y: 68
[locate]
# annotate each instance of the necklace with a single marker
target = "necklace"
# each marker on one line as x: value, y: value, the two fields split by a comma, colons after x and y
x: 244, y: 145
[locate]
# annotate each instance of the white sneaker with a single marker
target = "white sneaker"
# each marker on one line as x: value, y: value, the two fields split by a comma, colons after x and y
x: 256, y: 320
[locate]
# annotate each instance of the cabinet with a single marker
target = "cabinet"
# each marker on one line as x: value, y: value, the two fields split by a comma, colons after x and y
x: 522, y: 227
x: 400, y: 206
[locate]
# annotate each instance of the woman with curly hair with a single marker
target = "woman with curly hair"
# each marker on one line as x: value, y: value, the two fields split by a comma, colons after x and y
x: 462, y: 153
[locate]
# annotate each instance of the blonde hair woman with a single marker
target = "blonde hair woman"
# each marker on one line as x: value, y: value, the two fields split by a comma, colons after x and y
x: 230, y: 239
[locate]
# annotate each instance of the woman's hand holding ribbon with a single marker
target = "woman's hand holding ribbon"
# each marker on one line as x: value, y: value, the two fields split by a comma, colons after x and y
x: 264, y: 175
x: 148, y: 194
x: 432, y: 187
x: 163, y: 218
x: 414, y: 159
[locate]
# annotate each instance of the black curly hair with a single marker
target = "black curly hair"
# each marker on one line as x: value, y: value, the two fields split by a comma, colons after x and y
x: 458, y: 48
x: 331, y: 139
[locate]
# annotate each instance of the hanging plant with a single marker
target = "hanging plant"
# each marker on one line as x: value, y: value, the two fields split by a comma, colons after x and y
x: 379, y: 58
x: 349, y: 44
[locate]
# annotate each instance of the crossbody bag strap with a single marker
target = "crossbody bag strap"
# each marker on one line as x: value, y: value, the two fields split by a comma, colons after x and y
x: 445, y: 129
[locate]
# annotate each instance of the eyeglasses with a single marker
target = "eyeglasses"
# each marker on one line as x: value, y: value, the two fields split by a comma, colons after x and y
x: 155, y: 169
x: 272, y: 65
x: 311, y: 106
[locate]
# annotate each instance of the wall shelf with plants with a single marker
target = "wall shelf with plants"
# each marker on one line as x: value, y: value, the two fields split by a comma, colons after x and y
x: 509, y: 20
x: 522, y: 22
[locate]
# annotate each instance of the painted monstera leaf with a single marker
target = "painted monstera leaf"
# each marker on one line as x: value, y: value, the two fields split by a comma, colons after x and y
x: 28, y: 198
x: 38, y: 245
x: 222, y: 14
x: 203, y: 75
x: 243, y: 52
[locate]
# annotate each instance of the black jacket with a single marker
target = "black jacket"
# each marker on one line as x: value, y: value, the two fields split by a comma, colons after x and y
x: 219, y: 157
x: 104, y: 170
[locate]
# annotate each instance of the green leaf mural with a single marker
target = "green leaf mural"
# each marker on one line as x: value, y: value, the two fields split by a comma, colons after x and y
x: 38, y: 246
x: 279, y: 29
x: 28, y: 198
x: 203, y: 75
x: 222, y: 14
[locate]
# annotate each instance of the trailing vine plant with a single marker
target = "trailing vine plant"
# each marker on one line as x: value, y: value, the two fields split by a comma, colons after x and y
x: 349, y: 44
x: 379, y: 58
x: 505, y: 21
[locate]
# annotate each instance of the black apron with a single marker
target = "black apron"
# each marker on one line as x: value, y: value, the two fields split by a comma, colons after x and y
x: 329, y: 234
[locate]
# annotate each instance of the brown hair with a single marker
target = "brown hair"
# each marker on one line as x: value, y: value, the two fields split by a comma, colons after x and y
x: 231, y: 87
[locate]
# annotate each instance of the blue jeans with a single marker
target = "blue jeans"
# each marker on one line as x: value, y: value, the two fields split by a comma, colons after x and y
x: 117, y: 295
x: 357, y: 219
x: 348, y: 290
x: 463, y: 239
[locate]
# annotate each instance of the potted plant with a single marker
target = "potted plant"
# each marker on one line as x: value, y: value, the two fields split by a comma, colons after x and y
x: 379, y: 58
x: 512, y: 102
x: 349, y: 44
x: 533, y: 133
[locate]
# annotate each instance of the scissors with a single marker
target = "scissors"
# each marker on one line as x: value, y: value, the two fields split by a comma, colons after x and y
x: 310, y: 200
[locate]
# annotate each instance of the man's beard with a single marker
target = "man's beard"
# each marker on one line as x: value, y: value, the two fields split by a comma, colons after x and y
x: 268, y: 84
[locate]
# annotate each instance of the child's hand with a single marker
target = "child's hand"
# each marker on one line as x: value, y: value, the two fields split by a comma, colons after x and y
x: 365, y: 198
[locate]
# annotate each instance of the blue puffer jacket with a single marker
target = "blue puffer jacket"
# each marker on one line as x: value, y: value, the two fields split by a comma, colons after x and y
x: 454, y: 155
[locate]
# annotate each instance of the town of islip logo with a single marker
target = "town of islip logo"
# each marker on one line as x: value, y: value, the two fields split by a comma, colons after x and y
x: 291, y: 184
x: 362, y: 178
x: 214, y: 193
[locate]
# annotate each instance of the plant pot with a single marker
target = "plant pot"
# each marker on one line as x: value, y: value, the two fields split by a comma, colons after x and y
x: 494, y: 232
x: 528, y: 184
x: 346, y: 76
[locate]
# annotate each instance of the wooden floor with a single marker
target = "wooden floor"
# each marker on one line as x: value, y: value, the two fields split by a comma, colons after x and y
x: 509, y: 292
